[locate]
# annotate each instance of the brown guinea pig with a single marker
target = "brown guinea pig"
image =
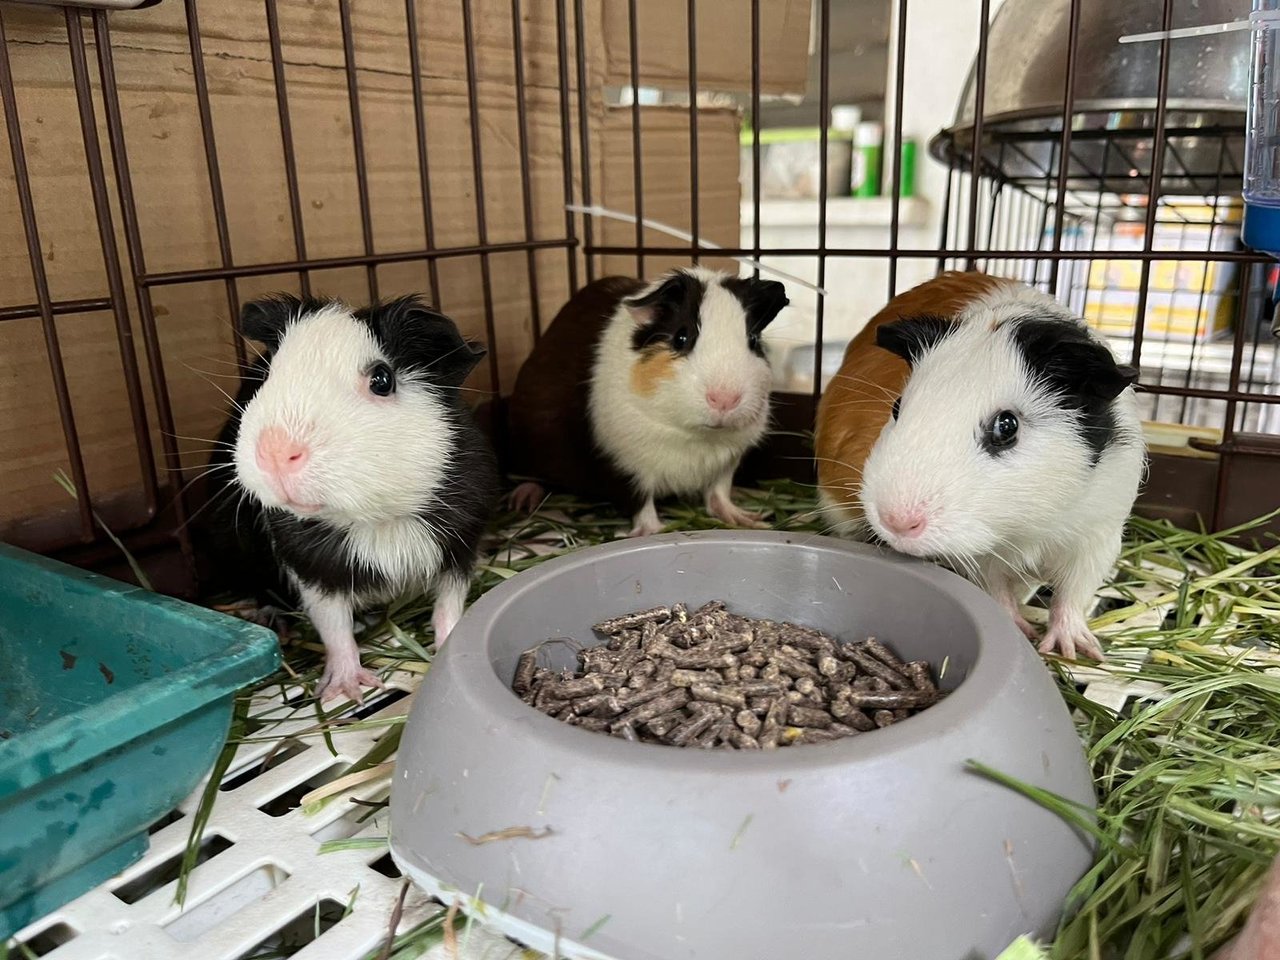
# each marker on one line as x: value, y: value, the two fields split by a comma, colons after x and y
x: 859, y: 400
x: 979, y: 422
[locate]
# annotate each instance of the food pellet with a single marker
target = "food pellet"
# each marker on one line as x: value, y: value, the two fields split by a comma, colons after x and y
x: 713, y: 679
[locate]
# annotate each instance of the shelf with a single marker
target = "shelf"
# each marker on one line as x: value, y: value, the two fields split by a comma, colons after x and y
x: 841, y: 212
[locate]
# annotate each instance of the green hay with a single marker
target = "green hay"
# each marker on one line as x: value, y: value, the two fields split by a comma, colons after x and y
x: 1188, y: 781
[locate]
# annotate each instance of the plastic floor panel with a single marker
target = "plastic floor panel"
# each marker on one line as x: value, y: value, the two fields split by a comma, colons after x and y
x: 265, y: 884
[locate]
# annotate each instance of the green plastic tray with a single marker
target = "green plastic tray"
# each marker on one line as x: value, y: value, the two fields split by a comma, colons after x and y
x: 114, y: 702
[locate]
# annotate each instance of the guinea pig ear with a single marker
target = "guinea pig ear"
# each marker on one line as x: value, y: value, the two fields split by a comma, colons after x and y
x: 678, y: 292
x: 912, y: 337
x: 762, y: 300
x: 265, y: 319
x: 1072, y: 362
x: 418, y: 337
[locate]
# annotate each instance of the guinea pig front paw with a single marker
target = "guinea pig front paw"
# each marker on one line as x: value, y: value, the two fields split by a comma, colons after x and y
x: 345, y: 680
x: 527, y: 497
x: 728, y: 512
x: 645, y: 526
x: 1068, y: 641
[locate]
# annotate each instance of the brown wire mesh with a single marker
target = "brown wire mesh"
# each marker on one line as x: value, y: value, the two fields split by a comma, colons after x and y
x: 1062, y: 205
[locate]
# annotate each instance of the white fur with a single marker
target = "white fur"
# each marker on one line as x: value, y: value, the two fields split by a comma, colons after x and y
x: 669, y: 442
x: 1037, y: 513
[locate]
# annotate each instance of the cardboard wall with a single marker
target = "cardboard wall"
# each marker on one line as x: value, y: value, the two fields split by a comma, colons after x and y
x: 723, y: 45
x: 666, y: 183
x: 178, y: 230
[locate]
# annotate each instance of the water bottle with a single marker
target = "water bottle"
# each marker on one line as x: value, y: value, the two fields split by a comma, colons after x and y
x: 1261, y: 229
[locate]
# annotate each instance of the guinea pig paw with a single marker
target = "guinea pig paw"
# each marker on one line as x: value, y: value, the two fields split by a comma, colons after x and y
x: 527, y: 497
x: 1029, y: 629
x: 1068, y: 642
x: 346, y: 682
x: 726, y: 511
x: 645, y: 528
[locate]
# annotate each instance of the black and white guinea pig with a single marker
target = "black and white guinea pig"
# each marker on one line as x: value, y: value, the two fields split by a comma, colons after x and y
x: 362, y: 474
x: 1014, y: 451
x: 642, y: 390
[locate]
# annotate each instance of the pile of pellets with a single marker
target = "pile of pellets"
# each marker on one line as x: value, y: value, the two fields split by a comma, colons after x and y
x: 712, y: 678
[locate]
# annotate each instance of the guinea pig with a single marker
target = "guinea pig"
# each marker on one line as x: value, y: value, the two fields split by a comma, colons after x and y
x: 979, y: 422
x: 642, y: 390
x: 361, y: 472
x: 1260, y: 937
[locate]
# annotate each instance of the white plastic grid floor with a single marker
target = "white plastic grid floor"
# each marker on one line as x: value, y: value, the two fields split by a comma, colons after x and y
x: 266, y: 888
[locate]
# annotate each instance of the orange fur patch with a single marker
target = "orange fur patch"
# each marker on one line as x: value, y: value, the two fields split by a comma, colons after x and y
x: 858, y: 402
x: 656, y: 365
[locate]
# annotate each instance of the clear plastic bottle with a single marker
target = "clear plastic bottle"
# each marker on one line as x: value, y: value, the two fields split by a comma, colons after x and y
x: 1262, y: 144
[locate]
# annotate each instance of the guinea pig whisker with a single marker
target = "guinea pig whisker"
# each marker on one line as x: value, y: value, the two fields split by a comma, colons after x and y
x: 840, y: 463
x: 862, y: 402
x: 220, y: 495
x: 230, y: 399
x: 864, y: 382
x: 1020, y: 567
x: 217, y: 443
x: 237, y: 376
x: 229, y: 363
x: 253, y: 346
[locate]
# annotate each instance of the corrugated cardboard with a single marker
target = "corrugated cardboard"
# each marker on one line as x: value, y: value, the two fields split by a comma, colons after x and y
x: 666, y: 181
x: 723, y: 44
x: 177, y: 226
x: 311, y: 35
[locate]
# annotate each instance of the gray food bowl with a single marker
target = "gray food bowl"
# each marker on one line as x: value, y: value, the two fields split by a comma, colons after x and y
x: 880, y: 845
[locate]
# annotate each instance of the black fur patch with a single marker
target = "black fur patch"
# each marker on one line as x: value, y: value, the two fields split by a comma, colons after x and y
x: 912, y: 337
x: 265, y: 319
x: 419, y: 339
x: 762, y: 300
x: 674, y: 310
x: 1079, y: 372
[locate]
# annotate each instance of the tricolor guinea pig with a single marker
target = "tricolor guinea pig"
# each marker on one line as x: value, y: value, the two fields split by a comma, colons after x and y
x: 641, y: 390
x: 979, y: 422
x: 362, y: 475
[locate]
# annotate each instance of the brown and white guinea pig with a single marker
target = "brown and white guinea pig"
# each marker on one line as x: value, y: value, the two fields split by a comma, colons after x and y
x: 1260, y: 937
x: 979, y: 422
x: 641, y: 390
x: 361, y: 471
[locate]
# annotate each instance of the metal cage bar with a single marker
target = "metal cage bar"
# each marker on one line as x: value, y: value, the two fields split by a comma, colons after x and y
x: 420, y: 129
x: 477, y: 169
x: 40, y: 279
x: 1050, y: 223
x: 286, y: 142
x: 215, y: 171
x: 111, y: 260
x: 357, y: 141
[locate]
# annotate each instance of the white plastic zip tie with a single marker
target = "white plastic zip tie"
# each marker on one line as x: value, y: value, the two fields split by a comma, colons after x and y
x: 1259, y: 20
x: 595, y: 210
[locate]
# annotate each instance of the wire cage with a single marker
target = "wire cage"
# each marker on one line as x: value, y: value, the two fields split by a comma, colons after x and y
x: 169, y: 162
x: 165, y: 161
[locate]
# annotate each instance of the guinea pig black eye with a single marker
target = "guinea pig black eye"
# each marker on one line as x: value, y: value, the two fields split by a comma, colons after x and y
x: 680, y: 339
x: 897, y: 408
x: 753, y: 341
x: 1003, y: 430
x: 382, y: 382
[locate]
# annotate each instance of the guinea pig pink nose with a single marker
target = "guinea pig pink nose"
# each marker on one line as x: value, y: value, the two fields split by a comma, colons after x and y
x: 905, y: 523
x: 723, y: 400
x: 279, y: 453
